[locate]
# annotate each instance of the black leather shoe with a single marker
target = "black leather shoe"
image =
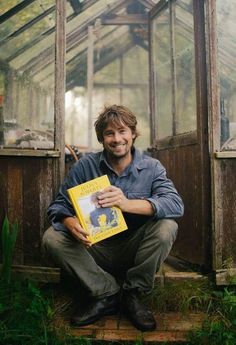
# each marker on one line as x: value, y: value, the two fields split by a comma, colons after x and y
x: 95, y: 310
x: 138, y: 314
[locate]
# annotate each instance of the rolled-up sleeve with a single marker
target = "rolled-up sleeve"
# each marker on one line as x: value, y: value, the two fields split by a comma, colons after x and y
x: 165, y: 198
x: 62, y: 207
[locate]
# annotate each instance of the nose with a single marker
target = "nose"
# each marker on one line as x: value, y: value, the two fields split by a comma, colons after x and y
x: 117, y: 136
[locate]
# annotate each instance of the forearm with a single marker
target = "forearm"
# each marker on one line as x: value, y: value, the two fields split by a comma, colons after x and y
x: 138, y: 206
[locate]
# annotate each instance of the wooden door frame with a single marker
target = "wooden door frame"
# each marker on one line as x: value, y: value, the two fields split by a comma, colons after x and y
x: 200, y: 136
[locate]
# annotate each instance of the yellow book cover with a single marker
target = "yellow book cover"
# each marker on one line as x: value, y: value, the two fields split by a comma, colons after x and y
x: 99, y: 222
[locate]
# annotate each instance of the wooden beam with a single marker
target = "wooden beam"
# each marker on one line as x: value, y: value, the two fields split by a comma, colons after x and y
x: 225, y: 154
x: 90, y: 77
x: 29, y: 153
x: 226, y: 276
x: 121, y: 85
x: 40, y: 274
x: 214, y: 133
x: 129, y: 19
x: 59, y: 111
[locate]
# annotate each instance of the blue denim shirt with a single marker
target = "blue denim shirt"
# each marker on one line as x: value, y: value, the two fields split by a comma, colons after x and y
x: 145, y: 178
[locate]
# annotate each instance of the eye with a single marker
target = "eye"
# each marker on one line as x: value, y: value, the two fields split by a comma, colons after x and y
x: 108, y: 134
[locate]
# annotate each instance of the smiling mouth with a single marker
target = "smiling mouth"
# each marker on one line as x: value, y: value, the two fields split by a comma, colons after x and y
x: 118, y: 146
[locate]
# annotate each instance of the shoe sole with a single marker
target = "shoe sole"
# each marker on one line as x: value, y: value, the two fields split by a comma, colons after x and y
x: 92, y: 320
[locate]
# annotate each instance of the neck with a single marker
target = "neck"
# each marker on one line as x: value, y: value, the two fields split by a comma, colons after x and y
x: 119, y: 164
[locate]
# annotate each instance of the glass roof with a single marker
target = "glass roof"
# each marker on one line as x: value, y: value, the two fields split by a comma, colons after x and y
x: 27, y: 32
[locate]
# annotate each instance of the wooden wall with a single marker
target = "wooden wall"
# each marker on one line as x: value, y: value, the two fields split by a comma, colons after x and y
x: 27, y: 186
x: 185, y: 168
x: 225, y: 208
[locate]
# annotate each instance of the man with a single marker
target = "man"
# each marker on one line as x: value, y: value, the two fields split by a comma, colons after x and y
x: 125, y: 264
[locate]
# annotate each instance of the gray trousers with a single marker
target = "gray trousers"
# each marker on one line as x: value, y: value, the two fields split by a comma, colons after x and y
x: 133, y: 261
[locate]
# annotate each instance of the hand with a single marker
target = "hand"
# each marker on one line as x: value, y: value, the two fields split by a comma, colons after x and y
x: 113, y: 196
x: 76, y: 230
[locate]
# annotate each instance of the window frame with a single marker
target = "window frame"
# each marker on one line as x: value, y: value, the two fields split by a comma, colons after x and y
x: 59, y: 91
x: 183, y: 139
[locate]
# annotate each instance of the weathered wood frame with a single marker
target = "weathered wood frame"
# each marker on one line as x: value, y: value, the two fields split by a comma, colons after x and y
x: 29, y: 179
x: 184, y: 152
x: 223, y: 164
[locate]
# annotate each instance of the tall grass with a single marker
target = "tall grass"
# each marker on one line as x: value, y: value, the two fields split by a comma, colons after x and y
x: 9, y: 236
x: 220, y: 326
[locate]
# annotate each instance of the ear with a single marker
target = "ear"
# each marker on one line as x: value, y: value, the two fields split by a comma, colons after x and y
x: 133, y: 136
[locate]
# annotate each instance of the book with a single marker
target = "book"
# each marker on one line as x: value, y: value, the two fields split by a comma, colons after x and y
x: 99, y: 222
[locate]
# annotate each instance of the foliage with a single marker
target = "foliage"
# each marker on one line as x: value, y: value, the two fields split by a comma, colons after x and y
x: 9, y: 236
x: 220, y: 327
x: 26, y: 315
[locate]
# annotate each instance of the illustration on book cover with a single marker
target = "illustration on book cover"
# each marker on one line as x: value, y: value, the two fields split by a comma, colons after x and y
x: 97, y: 218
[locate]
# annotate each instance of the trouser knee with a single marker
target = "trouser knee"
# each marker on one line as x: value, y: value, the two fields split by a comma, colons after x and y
x: 49, y: 240
x: 166, y: 231
x: 54, y: 243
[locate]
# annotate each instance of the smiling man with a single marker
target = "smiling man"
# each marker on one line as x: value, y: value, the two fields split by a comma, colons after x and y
x: 118, y: 270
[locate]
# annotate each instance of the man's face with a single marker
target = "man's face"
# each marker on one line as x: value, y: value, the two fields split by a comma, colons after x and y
x: 118, y: 140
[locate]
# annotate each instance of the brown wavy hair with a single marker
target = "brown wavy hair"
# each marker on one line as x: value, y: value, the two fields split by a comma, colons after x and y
x: 117, y: 114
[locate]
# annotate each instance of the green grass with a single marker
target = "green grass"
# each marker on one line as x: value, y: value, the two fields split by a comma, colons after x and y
x: 27, y: 314
x: 181, y: 297
x: 219, y: 304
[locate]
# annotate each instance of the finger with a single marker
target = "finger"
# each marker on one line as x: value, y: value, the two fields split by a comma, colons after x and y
x: 83, y: 232
x: 109, y: 190
x: 109, y: 195
x: 82, y: 238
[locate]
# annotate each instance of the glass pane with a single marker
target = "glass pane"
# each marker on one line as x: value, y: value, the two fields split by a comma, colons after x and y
x: 137, y: 99
x: 27, y: 96
x: 24, y: 16
x: 9, y: 47
x: 76, y: 117
x: 137, y: 58
x: 185, y: 92
x: 109, y: 74
x: 7, y: 5
x: 162, y: 74
x: 226, y: 27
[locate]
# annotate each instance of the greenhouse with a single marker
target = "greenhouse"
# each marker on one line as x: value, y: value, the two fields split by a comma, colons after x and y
x: 171, y: 62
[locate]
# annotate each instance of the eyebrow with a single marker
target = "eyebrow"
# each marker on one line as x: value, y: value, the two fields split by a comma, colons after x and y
x: 118, y: 128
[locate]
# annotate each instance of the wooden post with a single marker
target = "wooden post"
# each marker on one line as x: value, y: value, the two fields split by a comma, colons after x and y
x: 214, y: 132
x: 59, y: 110
x: 121, y: 79
x: 173, y: 65
x: 90, y: 70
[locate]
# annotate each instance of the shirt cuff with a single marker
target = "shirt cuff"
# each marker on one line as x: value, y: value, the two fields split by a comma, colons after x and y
x: 157, y: 209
